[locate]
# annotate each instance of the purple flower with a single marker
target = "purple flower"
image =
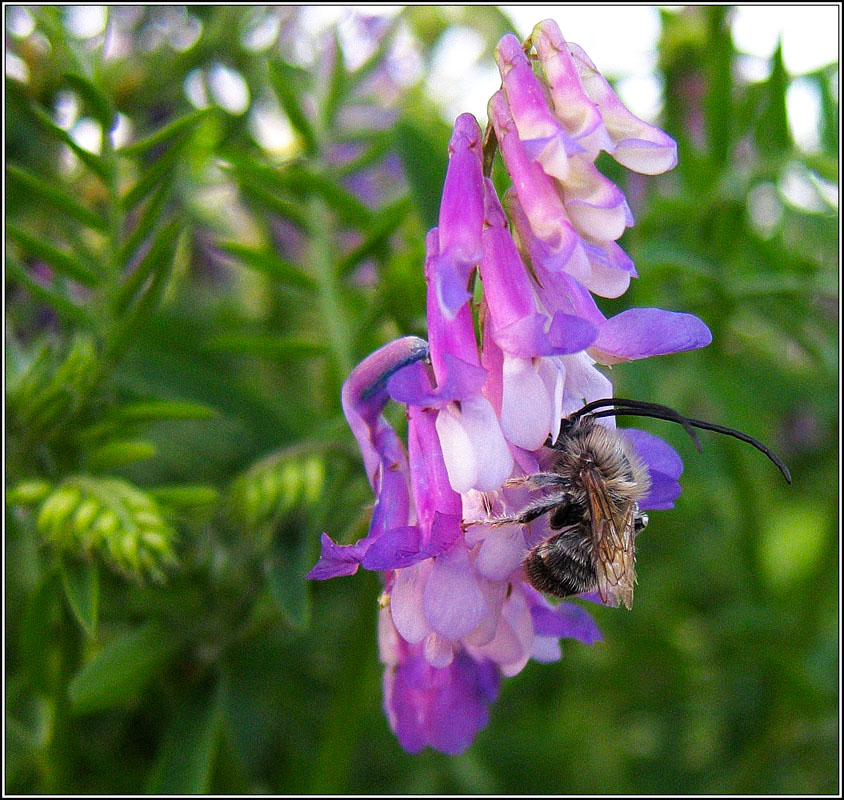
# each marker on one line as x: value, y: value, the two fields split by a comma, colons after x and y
x: 461, y: 216
x: 457, y: 611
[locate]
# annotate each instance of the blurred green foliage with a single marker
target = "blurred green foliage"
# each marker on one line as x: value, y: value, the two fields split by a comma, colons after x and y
x: 183, y: 305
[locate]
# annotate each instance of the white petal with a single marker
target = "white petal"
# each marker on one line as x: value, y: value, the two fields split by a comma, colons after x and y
x: 501, y: 552
x: 474, y: 449
x: 388, y: 638
x: 553, y: 374
x: 608, y: 281
x: 453, y: 601
x: 494, y: 592
x: 458, y: 453
x: 406, y: 602
x: 526, y: 411
x: 438, y: 651
x: 517, y: 614
x: 584, y: 383
x: 546, y: 648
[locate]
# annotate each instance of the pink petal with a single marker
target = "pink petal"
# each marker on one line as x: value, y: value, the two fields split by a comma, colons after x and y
x: 406, y: 601
x: 526, y: 406
x: 501, y: 552
x: 453, y: 601
x: 438, y: 651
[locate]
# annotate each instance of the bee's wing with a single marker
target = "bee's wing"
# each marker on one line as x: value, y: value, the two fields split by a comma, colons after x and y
x: 612, y: 531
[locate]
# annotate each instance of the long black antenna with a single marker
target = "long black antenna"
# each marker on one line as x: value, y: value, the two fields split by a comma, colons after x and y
x: 711, y: 426
x: 647, y: 410
x: 640, y: 408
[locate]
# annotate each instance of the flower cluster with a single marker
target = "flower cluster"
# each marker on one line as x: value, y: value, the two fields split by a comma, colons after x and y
x: 457, y: 611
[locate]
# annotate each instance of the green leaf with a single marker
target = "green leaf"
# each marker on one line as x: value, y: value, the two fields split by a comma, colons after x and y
x: 254, y: 187
x: 157, y: 258
x: 719, y: 102
x: 161, y: 264
x: 117, y: 454
x: 37, y: 631
x: 377, y: 56
x: 185, y: 760
x: 86, y: 512
x: 269, y: 264
x: 28, y: 493
x: 342, y: 202
x: 289, y: 587
x: 61, y: 261
x: 772, y: 134
x: 268, y: 346
x: 298, y: 181
x: 98, y: 165
x: 388, y: 220
x: 122, y: 669
x: 64, y: 307
x: 425, y: 164
x: 99, y: 105
x: 149, y: 410
x: 49, y: 194
x: 81, y: 583
x: 829, y: 112
x: 177, y: 128
x: 337, y: 85
x: 180, y: 497
x: 150, y: 218
x: 282, y: 80
x: 160, y: 171
x: 379, y: 145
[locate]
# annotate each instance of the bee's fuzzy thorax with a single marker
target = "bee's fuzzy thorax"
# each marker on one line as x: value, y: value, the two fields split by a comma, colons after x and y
x: 588, y: 443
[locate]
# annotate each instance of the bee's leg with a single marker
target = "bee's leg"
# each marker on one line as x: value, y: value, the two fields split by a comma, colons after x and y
x: 539, y: 480
x: 530, y: 512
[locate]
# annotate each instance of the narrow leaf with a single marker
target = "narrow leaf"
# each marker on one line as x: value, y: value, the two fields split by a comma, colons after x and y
x: 180, y: 497
x: 117, y: 454
x: 51, y: 195
x: 342, y: 202
x: 163, y: 409
x: 98, y: 165
x: 170, y: 131
x: 186, y: 758
x: 388, y: 220
x: 147, y: 303
x: 59, y: 260
x: 266, y: 345
x: 121, y: 669
x: 282, y: 82
x: 36, y: 633
x: 289, y: 587
x: 371, y: 63
x: 336, y: 90
x: 82, y: 589
x: 64, y: 307
x: 425, y: 165
x: 28, y: 493
x: 155, y: 174
x: 270, y: 264
x: 150, y: 217
x: 99, y: 105
x: 156, y: 259
x: 279, y: 205
x: 378, y: 146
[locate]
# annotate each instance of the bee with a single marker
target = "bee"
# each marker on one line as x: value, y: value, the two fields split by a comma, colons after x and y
x: 592, y: 489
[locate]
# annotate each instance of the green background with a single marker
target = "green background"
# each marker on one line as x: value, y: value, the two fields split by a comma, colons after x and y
x: 181, y: 312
